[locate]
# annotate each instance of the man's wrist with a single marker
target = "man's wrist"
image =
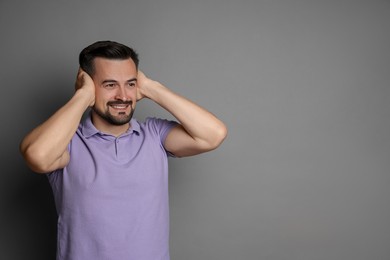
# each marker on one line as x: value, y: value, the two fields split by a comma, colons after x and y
x: 86, y: 96
x: 154, y: 90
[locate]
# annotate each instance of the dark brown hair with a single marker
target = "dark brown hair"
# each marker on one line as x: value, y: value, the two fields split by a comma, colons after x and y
x: 105, y: 49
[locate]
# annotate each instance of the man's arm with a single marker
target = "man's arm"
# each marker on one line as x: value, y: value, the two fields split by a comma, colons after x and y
x: 199, y: 130
x: 45, y: 147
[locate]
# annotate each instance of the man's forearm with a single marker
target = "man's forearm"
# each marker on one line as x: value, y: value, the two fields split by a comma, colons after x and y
x: 46, y: 144
x: 201, y: 125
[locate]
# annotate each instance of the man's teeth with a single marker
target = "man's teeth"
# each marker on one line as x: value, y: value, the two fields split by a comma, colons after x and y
x: 119, y: 106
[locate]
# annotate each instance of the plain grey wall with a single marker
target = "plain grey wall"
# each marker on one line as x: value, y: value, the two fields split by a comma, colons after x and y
x: 302, y: 85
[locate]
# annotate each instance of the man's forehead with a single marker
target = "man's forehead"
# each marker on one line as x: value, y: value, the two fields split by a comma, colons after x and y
x: 108, y: 67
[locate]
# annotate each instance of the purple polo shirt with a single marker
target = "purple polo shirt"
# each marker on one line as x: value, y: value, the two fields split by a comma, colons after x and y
x: 112, y: 197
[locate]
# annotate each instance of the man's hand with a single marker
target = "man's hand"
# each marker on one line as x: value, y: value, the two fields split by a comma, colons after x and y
x: 144, y: 85
x: 85, y: 83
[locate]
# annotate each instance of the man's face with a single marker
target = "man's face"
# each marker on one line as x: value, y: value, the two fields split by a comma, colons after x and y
x: 116, y: 91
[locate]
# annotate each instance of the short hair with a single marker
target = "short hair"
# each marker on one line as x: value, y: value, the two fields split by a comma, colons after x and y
x: 105, y: 49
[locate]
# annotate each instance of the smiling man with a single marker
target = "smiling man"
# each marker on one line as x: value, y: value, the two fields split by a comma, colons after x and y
x: 109, y: 173
x: 113, y: 103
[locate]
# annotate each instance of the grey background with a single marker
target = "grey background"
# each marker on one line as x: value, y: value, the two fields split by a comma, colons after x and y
x: 302, y: 85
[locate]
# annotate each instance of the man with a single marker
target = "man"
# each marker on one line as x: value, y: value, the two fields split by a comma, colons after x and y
x: 109, y: 172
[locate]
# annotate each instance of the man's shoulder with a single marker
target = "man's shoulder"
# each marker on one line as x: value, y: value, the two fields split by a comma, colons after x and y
x: 157, y: 126
x: 158, y: 122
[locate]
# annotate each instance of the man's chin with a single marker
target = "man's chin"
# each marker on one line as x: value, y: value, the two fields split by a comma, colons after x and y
x: 120, y: 119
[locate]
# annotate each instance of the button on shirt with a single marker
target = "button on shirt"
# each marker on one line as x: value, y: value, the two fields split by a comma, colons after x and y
x: 112, y: 197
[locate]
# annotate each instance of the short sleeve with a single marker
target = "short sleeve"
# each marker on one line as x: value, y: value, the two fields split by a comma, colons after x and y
x: 161, y: 127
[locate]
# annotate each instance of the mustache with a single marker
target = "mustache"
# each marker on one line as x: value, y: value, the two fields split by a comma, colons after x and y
x: 118, y: 102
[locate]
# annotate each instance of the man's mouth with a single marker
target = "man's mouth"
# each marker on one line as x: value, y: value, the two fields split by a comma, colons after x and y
x: 119, y: 105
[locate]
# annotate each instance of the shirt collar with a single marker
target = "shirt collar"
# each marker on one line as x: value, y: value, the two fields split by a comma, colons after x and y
x: 88, y: 129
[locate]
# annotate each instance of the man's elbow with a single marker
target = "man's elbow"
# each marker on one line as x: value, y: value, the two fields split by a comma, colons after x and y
x: 35, y: 159
x: 219, y: 136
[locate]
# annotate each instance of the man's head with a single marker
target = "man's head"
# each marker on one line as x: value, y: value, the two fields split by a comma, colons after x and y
x: 113, y: 68
x: 105, y: 49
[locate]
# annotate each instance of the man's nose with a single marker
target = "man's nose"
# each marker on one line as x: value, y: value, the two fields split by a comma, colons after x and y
x: 121, y: 94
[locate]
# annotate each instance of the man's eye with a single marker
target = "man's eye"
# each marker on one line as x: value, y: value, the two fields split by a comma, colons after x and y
x: 131, y: 85
x: 111, y: 85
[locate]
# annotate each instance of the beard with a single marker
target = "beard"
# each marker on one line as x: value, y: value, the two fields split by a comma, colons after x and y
x: 120, y: 119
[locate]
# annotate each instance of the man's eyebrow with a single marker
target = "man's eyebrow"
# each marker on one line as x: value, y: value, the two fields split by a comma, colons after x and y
x: 109, y: 81
x: 115, y: 81
x: 133, y: 79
